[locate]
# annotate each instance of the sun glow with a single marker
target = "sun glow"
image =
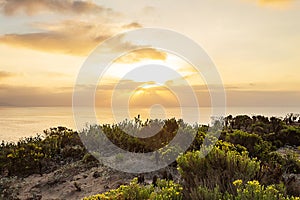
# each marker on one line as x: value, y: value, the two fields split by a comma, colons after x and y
x: 151, y: 85
x: 153, y: 93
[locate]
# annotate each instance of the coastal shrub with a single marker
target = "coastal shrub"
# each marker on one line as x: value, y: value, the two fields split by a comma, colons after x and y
x: 199, y: 138
x: 41, y: 153
x: 254, y: 190
x: 251, y: 190
x: 219, y: 168
x: 289, y: 136
x: 165, y: 190
x: 254, y: 143
x: 125, y: 134
x: 102, y: 138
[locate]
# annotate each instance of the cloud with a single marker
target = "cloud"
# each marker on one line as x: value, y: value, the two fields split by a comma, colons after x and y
x: 32, y: 7
x: 273, y: 1
x: 263, y: 98
x: 132, y: 25
x: 152, y: 96
x: 62, y: 96
x: 280, y: 4
x: 53, y: 42
x: 50, y: 74
x: 142, y: 54
x: 68, y: 37
x: 34, y: 96
x: 128, y: 92
x: 5, y: 74
x: 75, y: 35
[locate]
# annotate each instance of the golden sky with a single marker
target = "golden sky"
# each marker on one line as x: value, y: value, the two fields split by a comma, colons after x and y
x: 254, y: 44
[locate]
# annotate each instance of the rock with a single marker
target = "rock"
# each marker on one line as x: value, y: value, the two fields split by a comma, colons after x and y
x: 96, y: 174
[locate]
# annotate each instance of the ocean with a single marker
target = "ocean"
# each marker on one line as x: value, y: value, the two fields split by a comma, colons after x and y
x: 20, y: 122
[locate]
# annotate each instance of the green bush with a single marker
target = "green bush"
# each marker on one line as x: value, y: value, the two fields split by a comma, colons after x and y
x: 165, y: 190
x: 219, y: 168
x: 289, y: 135
x: 252, y: 190
x: 254, y: 143
x: 117, y: 134
x: 35, y: 154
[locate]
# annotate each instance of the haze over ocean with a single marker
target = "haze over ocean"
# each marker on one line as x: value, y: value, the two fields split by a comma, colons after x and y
x: 18, y: 122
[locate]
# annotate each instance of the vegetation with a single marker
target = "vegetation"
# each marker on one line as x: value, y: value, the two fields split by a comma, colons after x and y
x: 117, y: 133
x: 42, y: 153
x: 219, y: 168
x: 254, y: 158
x: 163, y: 190
x: 250, y: 190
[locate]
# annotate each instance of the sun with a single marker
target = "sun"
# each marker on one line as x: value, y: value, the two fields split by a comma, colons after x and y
x: 153, y: 93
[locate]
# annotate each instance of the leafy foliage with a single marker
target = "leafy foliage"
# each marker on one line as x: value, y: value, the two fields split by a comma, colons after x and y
x: 164, y: 190
x: 41, y: 153
x: 219, y: 168
x: 251, y: 190
x: 138, y: 139
x: 254, y: 143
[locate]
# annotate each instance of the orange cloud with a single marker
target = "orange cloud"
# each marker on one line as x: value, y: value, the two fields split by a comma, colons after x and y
x: 132, y: 25
x: 5, y: 74
x: 75, y: 36
x: 280, y: 4
x: 142, y: 54
x: 52, y: 42
x: 32, y: 7
x: 68, y: 37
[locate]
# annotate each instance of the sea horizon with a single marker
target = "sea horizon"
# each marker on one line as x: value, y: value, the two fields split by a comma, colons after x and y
x: 21, y: 122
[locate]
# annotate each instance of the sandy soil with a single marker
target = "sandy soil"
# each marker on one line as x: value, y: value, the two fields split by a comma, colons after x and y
x: 72, y: 181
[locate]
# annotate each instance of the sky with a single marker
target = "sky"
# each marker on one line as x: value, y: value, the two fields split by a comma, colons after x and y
x: 254, y: 44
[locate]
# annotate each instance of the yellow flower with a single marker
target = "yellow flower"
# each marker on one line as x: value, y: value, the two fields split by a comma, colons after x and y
x: 237, y: 182
x: 10, y: 155
x: 256, y: 183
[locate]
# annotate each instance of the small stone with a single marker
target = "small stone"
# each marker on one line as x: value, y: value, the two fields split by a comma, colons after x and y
x: 96, y: 174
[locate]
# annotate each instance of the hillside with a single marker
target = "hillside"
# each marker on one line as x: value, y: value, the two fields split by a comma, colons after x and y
x: 254, y: 158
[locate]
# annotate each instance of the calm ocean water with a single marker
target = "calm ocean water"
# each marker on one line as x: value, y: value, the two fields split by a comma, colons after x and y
x: 18, y: 122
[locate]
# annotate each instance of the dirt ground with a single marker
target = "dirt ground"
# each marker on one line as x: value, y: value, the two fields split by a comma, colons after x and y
x: 72, y: 181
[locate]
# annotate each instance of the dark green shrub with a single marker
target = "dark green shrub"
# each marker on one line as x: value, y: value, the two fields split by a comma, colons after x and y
x: 289, y: 135
x: 254, y: 143
x: 219, y: 168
